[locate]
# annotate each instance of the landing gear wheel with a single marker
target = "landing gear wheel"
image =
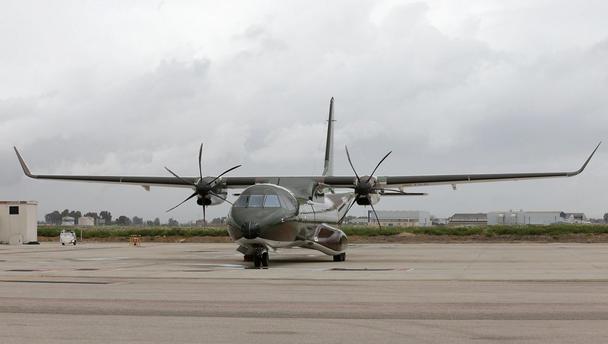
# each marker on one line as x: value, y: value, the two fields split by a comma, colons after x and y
x: 74, y: 243
x: 265, y: 259
x: 62, y: 244
x: 248, y: 258
x: 340, y: 257
x: 257, y: 261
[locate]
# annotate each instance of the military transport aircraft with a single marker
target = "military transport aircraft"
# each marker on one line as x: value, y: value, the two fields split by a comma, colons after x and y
x: 289, y: 211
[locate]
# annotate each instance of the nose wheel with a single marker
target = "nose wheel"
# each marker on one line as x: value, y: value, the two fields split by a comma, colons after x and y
x: 260, y: 258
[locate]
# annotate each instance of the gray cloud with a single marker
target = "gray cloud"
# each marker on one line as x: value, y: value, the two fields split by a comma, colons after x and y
x: 136, y: 87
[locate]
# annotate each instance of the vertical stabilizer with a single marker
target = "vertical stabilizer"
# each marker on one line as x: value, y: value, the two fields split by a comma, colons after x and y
x: 328, y: 168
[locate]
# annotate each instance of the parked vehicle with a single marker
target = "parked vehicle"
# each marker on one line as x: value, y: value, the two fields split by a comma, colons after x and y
x: 67, y: 237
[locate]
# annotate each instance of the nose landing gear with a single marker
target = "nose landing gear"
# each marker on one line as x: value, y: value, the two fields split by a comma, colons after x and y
x: 260, y: 258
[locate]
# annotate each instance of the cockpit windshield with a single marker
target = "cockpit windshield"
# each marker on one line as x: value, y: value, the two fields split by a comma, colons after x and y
x: 258, y: 201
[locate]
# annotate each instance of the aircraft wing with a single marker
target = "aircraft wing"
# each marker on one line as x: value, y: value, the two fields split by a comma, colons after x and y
x: 453, y: 179
x: 308, y: 182
x: 145, y: 181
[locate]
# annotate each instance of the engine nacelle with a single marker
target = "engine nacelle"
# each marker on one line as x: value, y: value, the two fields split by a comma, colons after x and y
x: 371, y: 198
x: 210, y: 199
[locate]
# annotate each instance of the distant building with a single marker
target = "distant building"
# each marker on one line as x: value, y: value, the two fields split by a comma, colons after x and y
x: 439, y: 222
x: 358, y: 221
x: 86, y: 221
x: 67, y: 221
x: 468, y: 219
x: 520, y: 217
x: 18, y: 223
x: 400, y: 218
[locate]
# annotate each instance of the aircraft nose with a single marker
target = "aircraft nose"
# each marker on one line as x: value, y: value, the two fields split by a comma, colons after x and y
x: 250, y: 230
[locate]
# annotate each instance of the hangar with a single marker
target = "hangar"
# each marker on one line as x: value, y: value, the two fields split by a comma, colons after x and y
x: 400, y: 218
x: 18, y: 222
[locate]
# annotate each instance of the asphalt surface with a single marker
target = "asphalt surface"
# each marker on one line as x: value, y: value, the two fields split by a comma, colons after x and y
x: 205, y: 293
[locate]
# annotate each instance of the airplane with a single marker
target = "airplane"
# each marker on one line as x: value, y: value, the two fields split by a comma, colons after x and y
x: 303, y: 211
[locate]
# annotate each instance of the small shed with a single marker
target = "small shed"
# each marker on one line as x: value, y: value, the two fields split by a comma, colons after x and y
x: 86, y: 221
x: 18, y: 222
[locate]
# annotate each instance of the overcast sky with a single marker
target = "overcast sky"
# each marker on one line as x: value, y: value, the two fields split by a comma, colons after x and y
x: 127, y: 87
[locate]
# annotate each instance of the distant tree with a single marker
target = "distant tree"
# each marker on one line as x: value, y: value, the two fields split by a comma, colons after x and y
x: 173, y: 222
x: 76, y: 215
x: 157, y: 221
x: 65, y: 213
x: 92, y: 214
x: 106, y: 216
x: 53, y: 218
x: 138, y: 221
x: 149, y: 223
x: 606, y: 217
x: 123, y: 221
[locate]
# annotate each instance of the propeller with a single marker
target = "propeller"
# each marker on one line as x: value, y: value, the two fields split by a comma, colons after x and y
x: 203, y: 189
x: 365, y: 186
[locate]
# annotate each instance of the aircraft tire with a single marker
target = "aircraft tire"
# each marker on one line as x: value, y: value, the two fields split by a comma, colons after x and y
x: 62, y: 244
x: 248, y: 258
x: 257, y: 261
x: 340, y: 257
x: 265, y: 259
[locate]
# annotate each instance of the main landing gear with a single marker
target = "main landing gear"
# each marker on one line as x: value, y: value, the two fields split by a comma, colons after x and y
x: 340, y: 257
x: 259, y: 258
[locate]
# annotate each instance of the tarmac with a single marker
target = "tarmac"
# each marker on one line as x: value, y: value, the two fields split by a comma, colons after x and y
x: 382, y: 293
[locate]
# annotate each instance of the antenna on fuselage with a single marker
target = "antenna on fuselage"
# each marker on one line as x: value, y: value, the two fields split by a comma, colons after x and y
x: 328, y: 168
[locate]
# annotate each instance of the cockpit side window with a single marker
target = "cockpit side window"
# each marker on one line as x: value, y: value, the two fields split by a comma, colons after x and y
x: 287, y: 202
x: 241, y: 202
x: 271, y: 201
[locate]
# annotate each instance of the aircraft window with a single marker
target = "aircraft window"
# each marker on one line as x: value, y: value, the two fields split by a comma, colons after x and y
x: 255, y: 201
x: 272, y: 201
x: 287, y: 203
x: 241, y: 202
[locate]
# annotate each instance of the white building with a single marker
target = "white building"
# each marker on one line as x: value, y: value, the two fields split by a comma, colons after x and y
x: 18, y: 222
x: 67, y: 221
x: 86, y: 221
x: 520, y: 217
x: 400, y: 218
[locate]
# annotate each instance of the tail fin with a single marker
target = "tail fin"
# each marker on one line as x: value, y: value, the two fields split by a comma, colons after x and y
x: 328, y: 168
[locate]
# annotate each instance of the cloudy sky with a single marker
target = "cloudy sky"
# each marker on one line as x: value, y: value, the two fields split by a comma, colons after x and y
x: 127, y: 87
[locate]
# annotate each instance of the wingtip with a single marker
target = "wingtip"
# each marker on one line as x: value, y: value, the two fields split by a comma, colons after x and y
x: 587, y: 161
x: 26, y: 170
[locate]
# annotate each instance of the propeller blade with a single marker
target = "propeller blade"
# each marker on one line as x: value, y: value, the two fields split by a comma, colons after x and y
x: 204, y: 216
x: 348, y: 209
x: 200, y: 159
x: 184, y: 201
x: 220, y: 197
x: 375, y: 214
x: 371, y: 174
x: 351, y: 164
x: 178, y: 177
x: 223, y: 173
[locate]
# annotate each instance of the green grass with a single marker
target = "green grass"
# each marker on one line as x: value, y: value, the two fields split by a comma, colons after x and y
x: 485, y: 231
x: 111, y: 231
